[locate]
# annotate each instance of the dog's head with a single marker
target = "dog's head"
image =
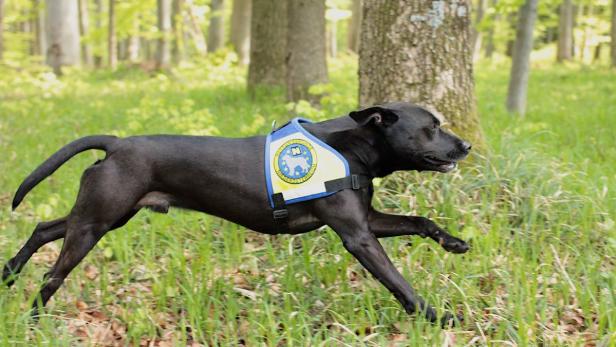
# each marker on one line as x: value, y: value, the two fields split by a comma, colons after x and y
x: 414, y: 136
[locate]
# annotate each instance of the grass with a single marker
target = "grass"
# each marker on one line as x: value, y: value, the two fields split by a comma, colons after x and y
x: 538, y: 210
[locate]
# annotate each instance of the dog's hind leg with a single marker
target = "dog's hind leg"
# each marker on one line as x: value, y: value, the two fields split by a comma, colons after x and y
x: 387, y: 225
x: 107, y: 198
x: 43, y: 233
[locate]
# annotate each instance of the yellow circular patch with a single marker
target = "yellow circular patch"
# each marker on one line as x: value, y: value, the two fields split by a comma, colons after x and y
x: 295, y: 161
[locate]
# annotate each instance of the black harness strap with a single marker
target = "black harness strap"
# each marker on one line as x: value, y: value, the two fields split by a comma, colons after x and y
x: 281, y: 214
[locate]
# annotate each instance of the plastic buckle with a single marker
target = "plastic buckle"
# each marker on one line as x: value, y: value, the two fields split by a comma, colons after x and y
x: 281, y: 214
x: 355, y: 182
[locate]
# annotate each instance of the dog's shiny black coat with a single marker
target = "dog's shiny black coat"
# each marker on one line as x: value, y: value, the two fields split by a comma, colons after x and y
x: 225, y: 177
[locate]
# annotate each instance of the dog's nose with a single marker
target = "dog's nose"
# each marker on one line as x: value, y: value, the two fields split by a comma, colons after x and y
x: 466, y: 146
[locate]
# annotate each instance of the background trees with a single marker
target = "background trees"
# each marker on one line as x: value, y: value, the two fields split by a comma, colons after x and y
x: 62, y: 34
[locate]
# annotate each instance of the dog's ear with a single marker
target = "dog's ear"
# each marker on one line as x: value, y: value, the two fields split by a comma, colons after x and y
x: 377, y: 115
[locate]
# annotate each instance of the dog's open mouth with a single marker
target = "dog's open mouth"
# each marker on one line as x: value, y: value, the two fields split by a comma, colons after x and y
x: 440, y: 164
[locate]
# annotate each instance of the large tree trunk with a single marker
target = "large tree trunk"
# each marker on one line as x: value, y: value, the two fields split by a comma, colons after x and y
x: 520, y: 68
x: 1, y: 29
x: 268, y: 43
x: 477, y: 35
x: 565, y: 32
x: 84, y: 27
x: 163, y: 53
x: 112, y: 40
x: 613, y: 43
x: 240, y: 29
x: 62, y: 34
x: 306, y: 65
x: 354, y: 26
x: 422, y: 54
x: 216, y: 30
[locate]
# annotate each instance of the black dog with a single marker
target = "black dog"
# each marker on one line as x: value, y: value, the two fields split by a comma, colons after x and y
x: 224, y: 177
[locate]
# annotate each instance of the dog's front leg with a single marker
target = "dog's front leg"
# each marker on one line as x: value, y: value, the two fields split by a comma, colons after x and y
x: 387, y: 225
x: 348, y: 216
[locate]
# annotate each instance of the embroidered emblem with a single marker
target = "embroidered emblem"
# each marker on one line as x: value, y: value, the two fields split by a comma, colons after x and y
x: 295, y: 161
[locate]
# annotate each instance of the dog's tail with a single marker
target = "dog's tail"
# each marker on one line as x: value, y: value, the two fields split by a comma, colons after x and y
x: 52, y: 163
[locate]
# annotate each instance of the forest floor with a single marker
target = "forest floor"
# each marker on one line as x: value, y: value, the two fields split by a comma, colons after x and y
x: 538, y: 209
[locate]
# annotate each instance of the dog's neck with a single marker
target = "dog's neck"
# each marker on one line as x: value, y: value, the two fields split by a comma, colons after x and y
x: 366, y: 150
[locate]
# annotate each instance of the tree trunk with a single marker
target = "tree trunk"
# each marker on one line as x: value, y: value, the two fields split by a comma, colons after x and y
x: 477, y: 35
x: 354, y: 26
x: 40, y: 39
x: 565, y: 32
x: 520, y: 68
x: 613, y: 43
x: 216, y: 30
x: 306, y: 65
x: 112, y: 45
x: 268, y: 43
x: 421, y: 55
x: 240, y: 29
x: 163, y: 53
x: 490, y: 45
x: 332, y: 38
x: 177, y: 24
x: 134, y: 44
x: 1, y: 29
x: 98, y: 59
x: 62, y: 34
x: 84, y: 27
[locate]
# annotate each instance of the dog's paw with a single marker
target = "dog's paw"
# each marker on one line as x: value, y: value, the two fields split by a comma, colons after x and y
x: 454, y: 245
x: 449, y: 320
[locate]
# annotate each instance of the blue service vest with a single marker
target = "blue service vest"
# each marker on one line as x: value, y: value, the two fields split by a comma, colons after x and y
x: 298, y: 164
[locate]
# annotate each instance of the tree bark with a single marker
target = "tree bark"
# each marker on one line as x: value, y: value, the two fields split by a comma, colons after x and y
x: 112, y: 40
x: 240, y: 29
x: 306, y: 64
x: 163, y: 53
x: 1, y: 29
x: 422, y: 54
x: 613, y: 43
x: 565, y: 32
x: 216, y: 30
x: 62, y: 34
x: 84, y: 27
x: 354, y: 26
x: 520, y: 68
x: 268, y: 43
x: 477, y: 36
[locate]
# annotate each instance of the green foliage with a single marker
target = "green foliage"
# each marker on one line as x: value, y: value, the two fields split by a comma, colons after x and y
x: 538, y: 210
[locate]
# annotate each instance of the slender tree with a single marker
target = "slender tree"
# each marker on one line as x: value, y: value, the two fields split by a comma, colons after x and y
x: 1, y: 29
x: 112, y: 45
x: 40, y: 42
x: 306, y: 65
x: 354, y: 26
x: 216, y: 32
x: 194, y: 29
x: 490, y: 46
x: 98, y: 23
x: 62, y: 34
x: 84, y: 28
x: 240, y: 29
x: 177, y: 26
x: 268, y: 43
x: 613, y: 43
x: 422, y: 54
x: 520, y: 68
x: 565, y: 32
x: 477, y: 35
x: 163, y: 53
